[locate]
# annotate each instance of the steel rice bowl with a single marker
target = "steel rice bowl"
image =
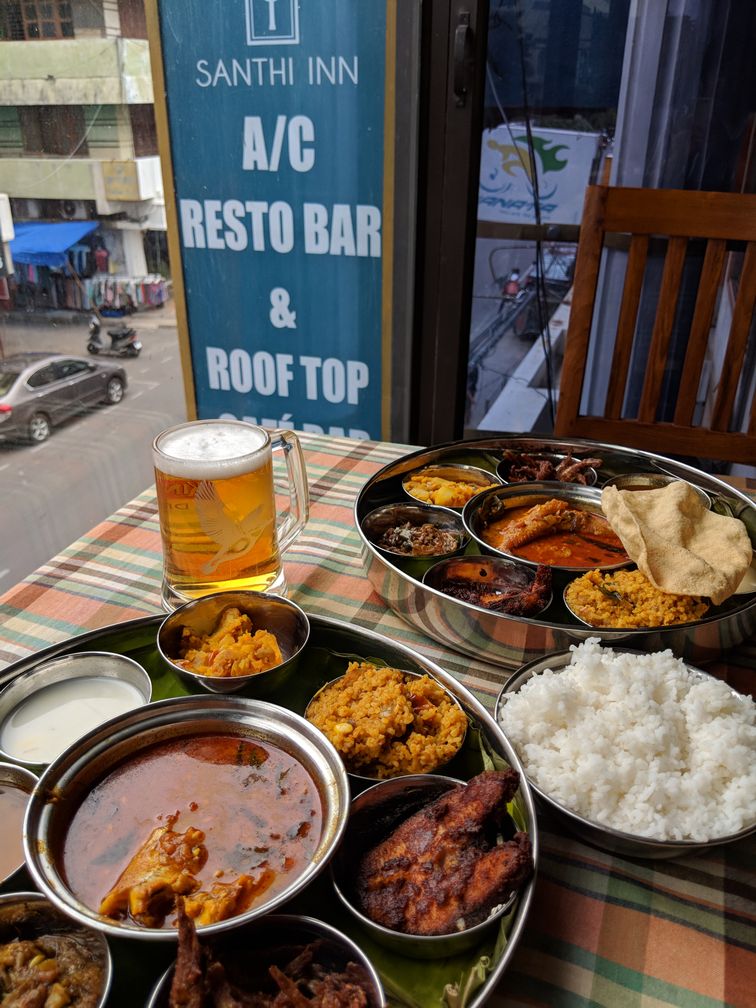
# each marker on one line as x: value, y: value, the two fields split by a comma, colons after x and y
x: 365, y: 778
x: 598, y: 834
x: 278, y: 615
x: 283, y: 930
x: 373, y: 816
x: 41, y: 917
x: 69, y: 779
x: 492, y: 505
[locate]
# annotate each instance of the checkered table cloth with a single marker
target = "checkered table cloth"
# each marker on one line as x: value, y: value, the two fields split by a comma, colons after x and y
x: 603, y: 930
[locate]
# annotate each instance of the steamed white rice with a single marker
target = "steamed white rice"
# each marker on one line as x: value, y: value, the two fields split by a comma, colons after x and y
x: 638, y: 742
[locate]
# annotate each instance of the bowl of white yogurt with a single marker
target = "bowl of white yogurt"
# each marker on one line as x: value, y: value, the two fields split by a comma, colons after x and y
x: 47, y: 708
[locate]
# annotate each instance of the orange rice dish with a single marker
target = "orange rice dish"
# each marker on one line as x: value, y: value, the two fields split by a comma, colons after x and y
x: 384, y: 722
x: 232, y: 649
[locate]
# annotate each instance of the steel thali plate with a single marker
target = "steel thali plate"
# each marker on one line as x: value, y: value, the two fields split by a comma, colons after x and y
x: 511, y: 641
x: 331, y: 641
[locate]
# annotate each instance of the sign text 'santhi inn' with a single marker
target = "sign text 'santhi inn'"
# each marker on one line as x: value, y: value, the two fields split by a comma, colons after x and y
x: 275, y: 130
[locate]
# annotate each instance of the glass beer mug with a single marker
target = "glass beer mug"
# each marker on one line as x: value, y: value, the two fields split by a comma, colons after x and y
x: 217, y: 504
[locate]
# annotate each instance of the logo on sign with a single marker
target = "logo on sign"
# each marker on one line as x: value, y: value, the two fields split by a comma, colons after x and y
x: 272, y: 22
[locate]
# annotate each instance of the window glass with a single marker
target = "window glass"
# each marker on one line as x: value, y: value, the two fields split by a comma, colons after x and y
x: 44, y: 376
x: 7, y: 381
x: 552, y: 88
x: 54, y: 130
x: 67, y: 368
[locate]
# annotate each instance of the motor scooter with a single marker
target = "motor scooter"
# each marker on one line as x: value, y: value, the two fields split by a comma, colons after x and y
x: 123, y: 340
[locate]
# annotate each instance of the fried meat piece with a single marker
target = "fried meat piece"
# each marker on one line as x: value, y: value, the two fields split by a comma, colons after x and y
x: 200, y: 980
x: 571, y: 470
x: 516, y: 599
x: 523, y: 601
x: 188, y: 986
x: 443, y: 865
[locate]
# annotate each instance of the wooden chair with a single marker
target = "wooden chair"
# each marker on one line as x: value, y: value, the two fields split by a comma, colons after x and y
x: 719, y: 220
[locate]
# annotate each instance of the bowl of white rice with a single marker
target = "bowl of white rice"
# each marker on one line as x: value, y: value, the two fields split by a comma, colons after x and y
x: 639, y: 754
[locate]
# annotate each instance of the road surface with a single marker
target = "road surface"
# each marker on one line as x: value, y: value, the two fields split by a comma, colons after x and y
x: 52, y: 493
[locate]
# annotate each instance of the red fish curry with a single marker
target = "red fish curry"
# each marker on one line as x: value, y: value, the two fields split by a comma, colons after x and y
x: 556, y: 533
x: 218, y: 819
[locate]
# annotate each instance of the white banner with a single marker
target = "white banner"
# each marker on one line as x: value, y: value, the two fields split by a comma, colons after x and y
x: 563, y: 161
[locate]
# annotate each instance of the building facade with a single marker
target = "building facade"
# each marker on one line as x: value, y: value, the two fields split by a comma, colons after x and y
x: 77, y: 130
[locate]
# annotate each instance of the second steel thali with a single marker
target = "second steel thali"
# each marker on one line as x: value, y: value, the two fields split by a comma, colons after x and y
x: 511, y: 641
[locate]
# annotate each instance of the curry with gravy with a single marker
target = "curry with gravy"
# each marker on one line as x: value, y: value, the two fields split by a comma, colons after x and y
x: 218, y: 819
x: 556, y: 533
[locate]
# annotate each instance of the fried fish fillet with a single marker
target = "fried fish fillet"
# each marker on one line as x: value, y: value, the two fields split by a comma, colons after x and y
x: 443, y: 869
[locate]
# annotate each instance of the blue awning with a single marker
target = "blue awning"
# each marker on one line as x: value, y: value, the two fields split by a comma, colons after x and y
x: 43, y: 244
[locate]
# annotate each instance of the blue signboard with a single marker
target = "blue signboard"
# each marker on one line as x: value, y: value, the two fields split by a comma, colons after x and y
x: 275, y: 115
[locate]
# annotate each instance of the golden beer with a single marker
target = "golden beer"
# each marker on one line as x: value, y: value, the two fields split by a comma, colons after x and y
x: 216, y: 499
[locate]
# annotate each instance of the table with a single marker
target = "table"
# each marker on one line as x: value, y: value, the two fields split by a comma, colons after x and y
x: 603, y: 930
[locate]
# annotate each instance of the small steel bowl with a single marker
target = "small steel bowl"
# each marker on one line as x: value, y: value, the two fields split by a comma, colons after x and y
x: 274, y: 940
x: 597, y: 834
x: 491, y: 505
x: 281, y: 617
x: 378, y: 522
x: 28, y: 916
x: 20, y: 698
x: 620, y: 629
x: 491, y: 571
x: 69, y: 780
x: 653, y: 481
x: 361, y: 775
x: 512, y: 457
x: 373, y: 816
x: 456, y: 473
x: 17, y: 779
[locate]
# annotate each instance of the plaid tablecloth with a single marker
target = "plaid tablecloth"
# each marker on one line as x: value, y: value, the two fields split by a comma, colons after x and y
x: 603, y: 930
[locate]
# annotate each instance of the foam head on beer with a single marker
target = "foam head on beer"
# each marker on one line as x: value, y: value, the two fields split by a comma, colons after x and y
x: 210, y: 451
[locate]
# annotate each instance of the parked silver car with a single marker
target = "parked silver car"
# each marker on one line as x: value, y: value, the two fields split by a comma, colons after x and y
x: 39, y: 390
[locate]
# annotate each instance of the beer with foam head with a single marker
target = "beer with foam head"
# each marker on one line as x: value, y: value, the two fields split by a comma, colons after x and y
x: 214, y: 481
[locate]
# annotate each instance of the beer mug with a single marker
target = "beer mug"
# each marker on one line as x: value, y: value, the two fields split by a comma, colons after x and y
x: 216, y: 498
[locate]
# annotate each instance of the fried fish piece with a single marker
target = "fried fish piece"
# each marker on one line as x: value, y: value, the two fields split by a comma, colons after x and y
x: 443, y: 867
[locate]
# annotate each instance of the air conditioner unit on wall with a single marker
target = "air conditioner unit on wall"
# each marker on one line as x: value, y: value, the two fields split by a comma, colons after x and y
x: 73, y: 209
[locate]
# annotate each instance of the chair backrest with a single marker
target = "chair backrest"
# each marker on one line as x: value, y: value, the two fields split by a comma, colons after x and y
x: 721, y: 222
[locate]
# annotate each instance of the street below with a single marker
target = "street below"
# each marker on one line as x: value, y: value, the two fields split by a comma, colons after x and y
x: 52, y: 493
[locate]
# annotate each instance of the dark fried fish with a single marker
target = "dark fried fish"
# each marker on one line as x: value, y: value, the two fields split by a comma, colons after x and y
x: 443, y: 865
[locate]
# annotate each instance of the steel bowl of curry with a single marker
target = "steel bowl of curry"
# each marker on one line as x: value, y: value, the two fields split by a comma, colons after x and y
x: 233, y: 803
x: 542, y: 523
x: 48, y: 960
x: 234, y: 640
